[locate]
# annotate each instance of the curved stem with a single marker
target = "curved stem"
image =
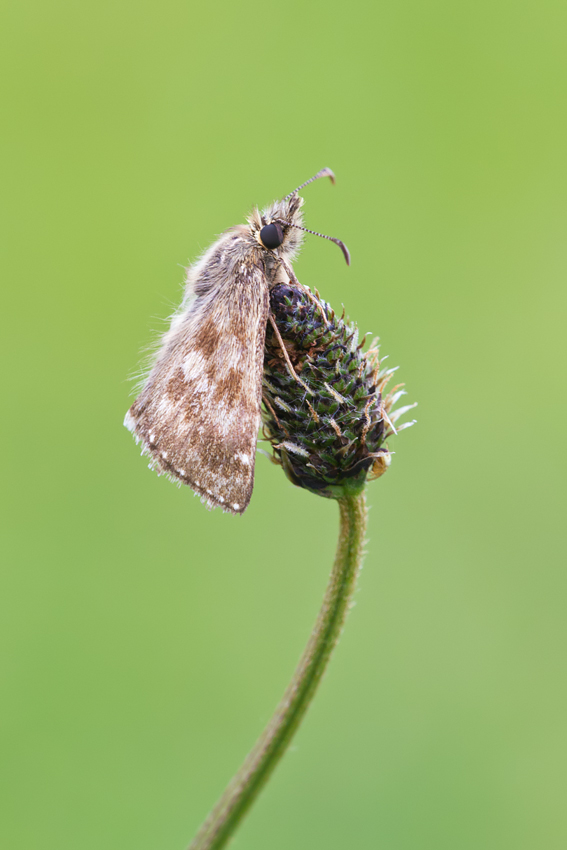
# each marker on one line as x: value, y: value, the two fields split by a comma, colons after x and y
x: 268, y: 750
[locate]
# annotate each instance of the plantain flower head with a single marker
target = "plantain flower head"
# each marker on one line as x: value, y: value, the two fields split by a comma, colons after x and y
x: 326, y: 411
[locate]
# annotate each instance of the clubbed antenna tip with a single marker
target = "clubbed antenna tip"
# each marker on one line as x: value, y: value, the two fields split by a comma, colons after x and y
x: 325, y: 172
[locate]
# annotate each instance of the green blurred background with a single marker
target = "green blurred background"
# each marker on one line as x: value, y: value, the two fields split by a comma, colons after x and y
x: 145, y: 641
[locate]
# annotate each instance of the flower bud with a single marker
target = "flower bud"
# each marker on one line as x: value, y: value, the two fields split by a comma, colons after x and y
x: 325, y: 412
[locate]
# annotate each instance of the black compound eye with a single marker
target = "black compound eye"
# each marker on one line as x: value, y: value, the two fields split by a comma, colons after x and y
x: 271, y: 235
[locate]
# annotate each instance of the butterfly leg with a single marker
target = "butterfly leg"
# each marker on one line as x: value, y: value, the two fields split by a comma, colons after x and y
x: 292, y: 371
x: 291, y: 274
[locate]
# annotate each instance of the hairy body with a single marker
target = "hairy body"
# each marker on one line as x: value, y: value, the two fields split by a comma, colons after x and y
x: 198, y: 414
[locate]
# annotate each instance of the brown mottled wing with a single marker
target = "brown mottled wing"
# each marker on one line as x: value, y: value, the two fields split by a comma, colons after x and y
x: 199, y: 412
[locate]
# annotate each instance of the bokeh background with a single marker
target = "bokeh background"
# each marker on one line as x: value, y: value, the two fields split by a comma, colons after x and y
x: 145, y: 641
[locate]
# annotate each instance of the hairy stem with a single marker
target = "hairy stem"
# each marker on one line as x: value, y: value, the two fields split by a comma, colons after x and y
x: 272, y: 744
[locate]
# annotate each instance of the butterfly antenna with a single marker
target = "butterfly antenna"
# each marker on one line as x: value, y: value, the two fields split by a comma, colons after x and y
x: 338, y: 242
x: 325, y: 172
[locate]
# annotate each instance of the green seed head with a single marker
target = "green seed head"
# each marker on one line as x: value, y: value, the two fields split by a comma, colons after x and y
x: 325, y: 412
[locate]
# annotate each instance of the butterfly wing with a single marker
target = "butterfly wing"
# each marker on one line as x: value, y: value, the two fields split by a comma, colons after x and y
x: 199, y: 412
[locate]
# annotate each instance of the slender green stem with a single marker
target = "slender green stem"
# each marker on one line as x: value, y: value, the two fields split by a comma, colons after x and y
x: 247, y: 783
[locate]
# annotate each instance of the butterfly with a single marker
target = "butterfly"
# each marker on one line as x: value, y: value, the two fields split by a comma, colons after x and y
x: 198, y: 413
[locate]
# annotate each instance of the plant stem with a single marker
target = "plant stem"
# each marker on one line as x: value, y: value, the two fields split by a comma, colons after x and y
x: 270, y: 747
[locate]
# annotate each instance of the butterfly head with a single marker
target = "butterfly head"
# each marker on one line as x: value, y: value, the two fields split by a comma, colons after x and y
x: 280, y: 226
